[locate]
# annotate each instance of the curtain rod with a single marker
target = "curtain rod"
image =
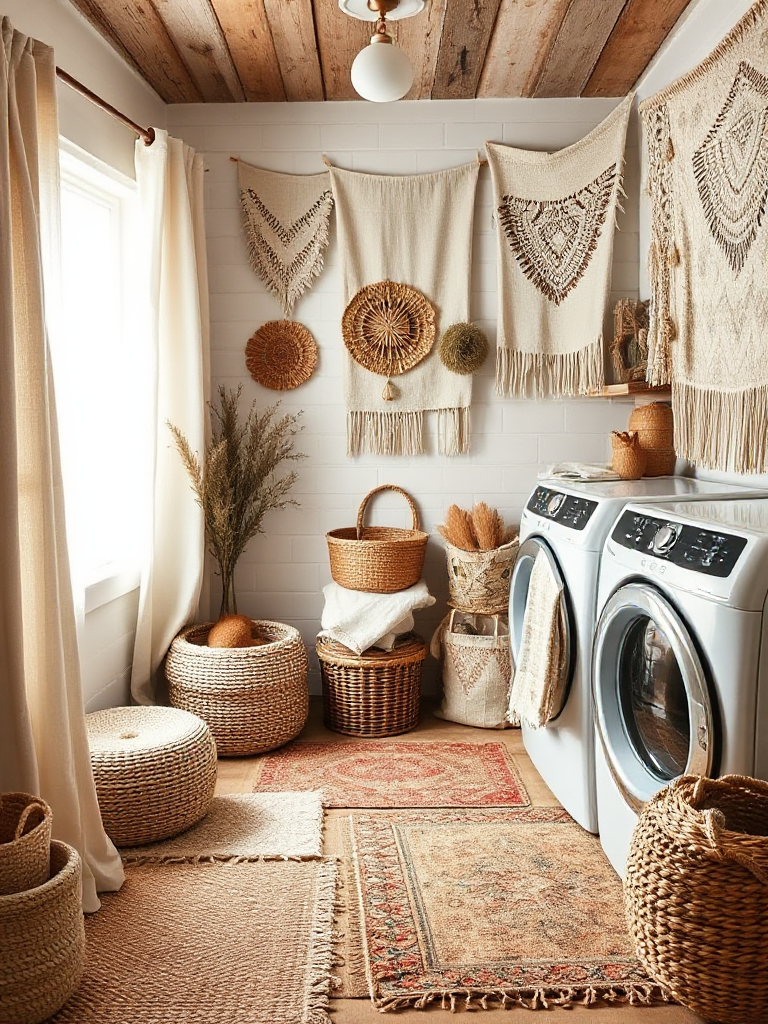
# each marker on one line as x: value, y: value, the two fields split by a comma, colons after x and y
x: 148, y: 134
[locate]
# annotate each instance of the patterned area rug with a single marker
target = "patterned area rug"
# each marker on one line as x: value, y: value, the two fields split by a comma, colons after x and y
x: 468, y: 906
x: 391, y: 773
x: 210, y: 944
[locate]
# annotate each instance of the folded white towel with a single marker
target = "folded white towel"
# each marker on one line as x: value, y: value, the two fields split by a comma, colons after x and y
x: 360, y: 620
x: 579, y: 471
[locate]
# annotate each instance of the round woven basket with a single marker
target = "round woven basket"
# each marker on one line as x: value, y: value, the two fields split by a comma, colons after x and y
x: 388, y: 328
x: 696, y: 895
x: 629, y: 459
x: 377, y: 559
x: 281, y: 355
x: 478, y: 581
x: 375, y: 693
x: 154, y: 769
x: 253, y: 698
x: 42, y: 942
x: 654, y: 424
x: 25, y: 838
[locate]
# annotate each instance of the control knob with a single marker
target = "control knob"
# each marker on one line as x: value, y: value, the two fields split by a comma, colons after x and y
x: 554, y: 504
x: 664, y: 539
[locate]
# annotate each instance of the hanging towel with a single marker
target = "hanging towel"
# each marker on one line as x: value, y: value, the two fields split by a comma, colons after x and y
x: 414, y: 230
x: 540, y: 678
x: 360, y: 620
x: 556, y: 216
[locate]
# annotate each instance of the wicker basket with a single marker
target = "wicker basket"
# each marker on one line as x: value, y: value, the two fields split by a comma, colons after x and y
x: 696, y: 895
x: 25, y: 838
x: 629, y: 459
x: 42, y: 942
x: 375, y: 693
x: 253, y: 698
x: 378, y: 559
x: 477, y: 670
x: 478, y: 581
x: 654, y: 424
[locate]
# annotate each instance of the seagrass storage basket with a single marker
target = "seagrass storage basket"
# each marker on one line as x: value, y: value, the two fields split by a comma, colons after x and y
x: 629, y: 459
x: 696, y: 895
x: 42, y: 942
x: 655, y: 428
x: 253, y: 699
x: 375, y: 693
x: 478, y: 581
x: 377, y: 559
x: 25, y: 839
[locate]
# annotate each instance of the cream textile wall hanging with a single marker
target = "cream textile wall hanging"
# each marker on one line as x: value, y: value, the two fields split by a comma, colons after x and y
x: 417, y: 230
x: 285, y: 219
x: 556, y: 217
x: 707, y: 137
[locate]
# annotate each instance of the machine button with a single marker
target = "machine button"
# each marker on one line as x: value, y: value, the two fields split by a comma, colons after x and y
x: 554, y: 504
x: 664, y: 539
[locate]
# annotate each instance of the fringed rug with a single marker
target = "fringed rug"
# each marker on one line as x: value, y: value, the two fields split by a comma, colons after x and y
x: 465, y: 907
x: 216, y: 943
x: 393, y: 773
x: 246, y: 826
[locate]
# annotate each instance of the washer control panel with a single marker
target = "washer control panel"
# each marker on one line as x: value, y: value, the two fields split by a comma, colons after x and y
x: 566, y: 509
x: 705, y: 551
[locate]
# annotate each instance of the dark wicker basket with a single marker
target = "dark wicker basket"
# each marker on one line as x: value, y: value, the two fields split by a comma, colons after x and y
x: 696, y: 895
x: 375, y: 693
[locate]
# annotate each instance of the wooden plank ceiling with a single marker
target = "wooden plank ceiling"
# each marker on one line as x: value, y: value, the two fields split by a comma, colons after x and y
x: 228, y: 51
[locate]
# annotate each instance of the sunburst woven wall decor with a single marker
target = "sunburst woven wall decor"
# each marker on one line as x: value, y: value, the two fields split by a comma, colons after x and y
x: 388, y: 327
x: 281, y: 355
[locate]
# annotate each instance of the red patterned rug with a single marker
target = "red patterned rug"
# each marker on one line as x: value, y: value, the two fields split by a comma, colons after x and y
x: 467, y: 906
x: 372, y: 773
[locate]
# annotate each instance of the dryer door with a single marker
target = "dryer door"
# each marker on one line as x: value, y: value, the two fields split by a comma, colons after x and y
x: 653, y: 710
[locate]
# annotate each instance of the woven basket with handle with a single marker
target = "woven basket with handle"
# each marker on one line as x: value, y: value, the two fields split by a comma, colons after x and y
x: 696, y: 895
x: 378, y: 559
x: 25, y: 838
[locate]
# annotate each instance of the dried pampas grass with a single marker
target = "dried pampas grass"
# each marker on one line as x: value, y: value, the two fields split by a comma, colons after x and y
x: 482, y: 529
x: 489, y: 527
x: 458, y: 529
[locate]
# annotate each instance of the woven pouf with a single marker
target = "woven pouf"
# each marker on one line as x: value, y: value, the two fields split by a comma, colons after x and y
x: 254, y: 699
x: 696, y: 895
x: 42, y: 942
x: 154, y: 769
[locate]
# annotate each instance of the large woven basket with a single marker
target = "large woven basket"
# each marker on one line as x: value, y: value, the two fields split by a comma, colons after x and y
x: 654, y: 424
x: 378, y: 559
x: 253, y: 698
x: 478, y: 581
x: 25, y: 838
x: 375, y: 693
x: 696, y: 895
x: 42, y: 942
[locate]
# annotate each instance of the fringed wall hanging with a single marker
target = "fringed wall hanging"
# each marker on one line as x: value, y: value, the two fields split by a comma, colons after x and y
x: 281, y: 355
x: 556, y: 217
x: 707, y: 137
x: 285, y: 218
x: 413, y: 230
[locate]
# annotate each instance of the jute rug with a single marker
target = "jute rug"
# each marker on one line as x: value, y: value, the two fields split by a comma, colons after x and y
x: 392, y: 773
x: 248, y: 826
x: 186, y: 943
x: 465, y: 907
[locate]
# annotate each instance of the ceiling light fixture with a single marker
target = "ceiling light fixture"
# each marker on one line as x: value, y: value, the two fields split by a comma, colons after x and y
x: 381, y: 72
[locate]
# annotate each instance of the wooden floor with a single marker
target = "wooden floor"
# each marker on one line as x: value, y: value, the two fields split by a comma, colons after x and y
x: 238, y: 776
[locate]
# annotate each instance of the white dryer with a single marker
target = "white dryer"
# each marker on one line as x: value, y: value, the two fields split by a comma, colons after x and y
x: 569, y: 522
x: 680, y: 662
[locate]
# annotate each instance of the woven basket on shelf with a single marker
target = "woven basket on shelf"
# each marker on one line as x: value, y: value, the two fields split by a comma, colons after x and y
x: 629, y: 459
x: 252, y: 698
x: 377, y: 559
x: 478, y: 581
x: 42, y: 942
x: 375, y: 693
x: 25, y: 838
x: 696, y: 895
x: 654, y: 424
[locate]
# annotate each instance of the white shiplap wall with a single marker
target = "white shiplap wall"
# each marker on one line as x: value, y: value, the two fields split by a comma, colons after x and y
x: 282, y: 573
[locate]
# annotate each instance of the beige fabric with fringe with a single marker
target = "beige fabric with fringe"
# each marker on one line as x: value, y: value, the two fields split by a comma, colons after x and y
x: 285, y: 219
x: 415, y: 229
x: 707, y: 137
x: 556, y: 215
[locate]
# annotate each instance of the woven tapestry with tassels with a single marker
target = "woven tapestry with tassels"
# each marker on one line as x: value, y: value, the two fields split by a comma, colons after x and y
x: 285, y: 217
x: 413, y: 230
x: 555, y: 216
x: 707, y: 138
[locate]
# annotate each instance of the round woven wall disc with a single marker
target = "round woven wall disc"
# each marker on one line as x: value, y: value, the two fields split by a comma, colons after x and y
x: 463, y: 348
x: 281, y: 355
x: 388, y: 327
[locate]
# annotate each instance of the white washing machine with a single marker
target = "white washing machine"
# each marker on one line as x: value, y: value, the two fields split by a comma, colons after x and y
x: 569, y: 522
x: 680, y: 663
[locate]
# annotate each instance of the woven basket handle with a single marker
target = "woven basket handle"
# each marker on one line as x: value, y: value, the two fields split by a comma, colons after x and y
x: 32, y: 806
x: 750, y: 851
x: 385, y: 487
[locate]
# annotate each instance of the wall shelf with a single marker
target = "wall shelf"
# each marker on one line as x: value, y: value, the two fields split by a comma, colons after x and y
x: 634, y: 389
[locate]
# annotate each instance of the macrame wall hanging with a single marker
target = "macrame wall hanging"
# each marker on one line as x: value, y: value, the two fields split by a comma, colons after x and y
x: 555, y: 218
x: 707, y: 138
x: 416, y: 231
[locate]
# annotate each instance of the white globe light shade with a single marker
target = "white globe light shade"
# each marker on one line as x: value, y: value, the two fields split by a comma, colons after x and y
x: 381, y: 73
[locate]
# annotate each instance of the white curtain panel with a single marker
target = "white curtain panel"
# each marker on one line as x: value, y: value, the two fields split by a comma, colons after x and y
x: 170, y: 181
x: 43, y: 743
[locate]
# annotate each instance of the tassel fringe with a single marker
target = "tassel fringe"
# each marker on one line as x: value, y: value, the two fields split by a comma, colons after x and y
x: 724, y: 430
x: 531, y: 999
x: 533, y: 375
x: 402, y: 433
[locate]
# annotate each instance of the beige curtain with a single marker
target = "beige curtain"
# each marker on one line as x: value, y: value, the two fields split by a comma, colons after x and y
x: 170, y: 180
x: 43, y: 743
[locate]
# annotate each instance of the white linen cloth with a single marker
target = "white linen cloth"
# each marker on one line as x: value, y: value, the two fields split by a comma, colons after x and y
x: 579, y: 471
x: 360, y: 620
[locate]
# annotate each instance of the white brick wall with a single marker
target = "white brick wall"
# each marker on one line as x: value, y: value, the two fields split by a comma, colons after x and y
x: 282, y: 573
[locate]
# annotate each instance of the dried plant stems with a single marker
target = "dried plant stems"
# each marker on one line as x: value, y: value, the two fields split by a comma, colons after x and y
x: 488, y: 526
x: 458, y: 529
x: 481, y: 529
